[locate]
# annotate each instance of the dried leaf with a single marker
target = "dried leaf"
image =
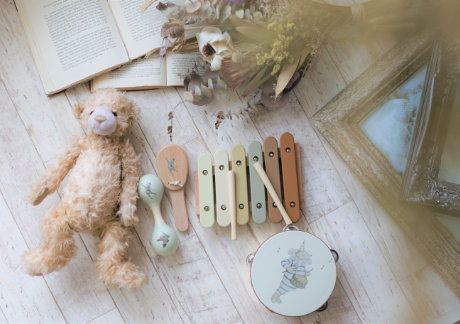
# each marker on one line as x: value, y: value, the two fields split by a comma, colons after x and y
x: 196, y: 98
x: 258, y: 34
x: 247, y: 14
x: 244, y: 113
x: 185, y: 73
x: 170, y: 115
x: 221, y: 83
x: 169, y: 129
x: 253, y: 107
x: 245, y: 103
x: 206, y: 91
x: 200, y: 61
x: 286, y: 74
x: 197, y: 91
x: 210, y: 85
x: 238, y: 22
x: 190, y: 68
x: 303, y: 56
x: 239, y: 13
x: 256, y: 82
x: 180, y: 75
x: 188, y: 96
x: 192, y: 6
x: 220, y: 114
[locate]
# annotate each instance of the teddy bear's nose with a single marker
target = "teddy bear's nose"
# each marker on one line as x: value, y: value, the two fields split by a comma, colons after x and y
x: 99, y: 118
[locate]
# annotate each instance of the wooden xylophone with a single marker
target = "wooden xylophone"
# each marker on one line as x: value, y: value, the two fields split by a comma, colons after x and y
x: 283, y: 169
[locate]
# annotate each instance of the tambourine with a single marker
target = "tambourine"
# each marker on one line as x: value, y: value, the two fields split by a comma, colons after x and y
x: 293, y: 273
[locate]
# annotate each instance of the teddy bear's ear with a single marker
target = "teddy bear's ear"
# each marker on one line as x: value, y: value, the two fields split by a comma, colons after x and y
x: 79, y: 108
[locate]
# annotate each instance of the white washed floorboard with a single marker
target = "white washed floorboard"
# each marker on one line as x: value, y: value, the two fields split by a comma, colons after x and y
x: 401, y: 254
x: 362, y: 269
x: 112, y: 317
x: 22, y: 298
x: 48, y: 120
x: 428, y: 295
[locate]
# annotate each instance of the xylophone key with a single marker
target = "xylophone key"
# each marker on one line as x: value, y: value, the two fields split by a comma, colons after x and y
x: 206, y: 190
x: 258, y: 203
x: 222, y: 195
x: 290, y: 179
x: 272, y: 168
x: 241, y: 186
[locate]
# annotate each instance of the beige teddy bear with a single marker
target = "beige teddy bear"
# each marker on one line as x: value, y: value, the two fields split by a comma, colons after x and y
x: 100, y: 197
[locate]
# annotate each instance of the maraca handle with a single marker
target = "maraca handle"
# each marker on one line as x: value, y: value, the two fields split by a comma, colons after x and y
x: 156, y: 210
x: 179, y: 209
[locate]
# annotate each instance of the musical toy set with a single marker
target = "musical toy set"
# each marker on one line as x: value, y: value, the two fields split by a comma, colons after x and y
x: 293, y: 273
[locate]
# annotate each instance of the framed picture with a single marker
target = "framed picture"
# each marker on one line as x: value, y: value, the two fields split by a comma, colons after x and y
x: 370, y: 124
x: 432, y: 174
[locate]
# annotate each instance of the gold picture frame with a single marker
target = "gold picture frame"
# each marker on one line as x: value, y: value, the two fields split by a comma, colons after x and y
x: 421, y: 183
x: 338, y: 122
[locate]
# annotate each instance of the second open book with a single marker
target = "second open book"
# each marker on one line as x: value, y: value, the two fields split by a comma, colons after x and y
x: 148, y: 73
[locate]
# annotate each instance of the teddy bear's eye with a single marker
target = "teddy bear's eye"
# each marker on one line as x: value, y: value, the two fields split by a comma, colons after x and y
x: 114, y: 113
x: 91, y: 112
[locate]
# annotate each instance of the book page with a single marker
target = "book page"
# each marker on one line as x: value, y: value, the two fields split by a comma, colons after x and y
x: 76, y: 38
x: 176, y: 63
x: 140, y: 31
x: 140, y: 73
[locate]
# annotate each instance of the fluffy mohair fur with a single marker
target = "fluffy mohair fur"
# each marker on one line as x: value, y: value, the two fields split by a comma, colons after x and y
x: 99, y: 199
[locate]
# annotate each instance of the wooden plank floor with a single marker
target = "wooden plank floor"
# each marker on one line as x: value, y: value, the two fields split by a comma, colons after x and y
x: 382, y: 278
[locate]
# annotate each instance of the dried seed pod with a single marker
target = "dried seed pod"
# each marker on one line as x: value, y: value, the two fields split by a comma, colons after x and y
x: 197, y: 91
x: 200, y: 61
x: 221, y: 83
x: 188, y: 96
x: 206, y: 91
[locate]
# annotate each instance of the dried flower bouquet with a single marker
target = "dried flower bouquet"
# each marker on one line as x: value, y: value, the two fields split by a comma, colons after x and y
x: 269, y: 44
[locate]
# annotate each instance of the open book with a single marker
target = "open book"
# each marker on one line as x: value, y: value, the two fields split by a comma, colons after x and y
x: 74, y: 41
x: 147, y: 73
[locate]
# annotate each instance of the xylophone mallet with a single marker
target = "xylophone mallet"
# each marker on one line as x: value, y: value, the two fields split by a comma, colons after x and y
x: 232, y: 203
x: 263, y: 176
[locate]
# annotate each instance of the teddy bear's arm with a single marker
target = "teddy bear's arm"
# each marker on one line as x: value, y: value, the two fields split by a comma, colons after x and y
x: 51, y: 180
x: 128, y: 196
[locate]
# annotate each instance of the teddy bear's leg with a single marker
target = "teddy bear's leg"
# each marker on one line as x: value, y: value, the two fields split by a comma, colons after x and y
x: 58, y: 249
x: 111, y: 263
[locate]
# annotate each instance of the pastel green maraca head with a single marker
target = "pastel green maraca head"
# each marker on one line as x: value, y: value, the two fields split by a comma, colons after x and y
x: 164, y: 240
x: 150, y: 189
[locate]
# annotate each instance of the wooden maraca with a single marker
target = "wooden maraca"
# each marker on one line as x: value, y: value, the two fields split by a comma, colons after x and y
x: 164, y: 240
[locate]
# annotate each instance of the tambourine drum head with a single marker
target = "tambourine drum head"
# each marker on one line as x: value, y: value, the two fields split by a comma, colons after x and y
x: 293, y: 273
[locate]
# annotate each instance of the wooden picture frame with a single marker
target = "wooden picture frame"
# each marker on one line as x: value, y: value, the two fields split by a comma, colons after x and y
x: 421, y: 183
x: 339, y: 121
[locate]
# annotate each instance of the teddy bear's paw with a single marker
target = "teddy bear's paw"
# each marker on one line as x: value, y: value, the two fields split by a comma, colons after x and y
x: 40, y: 262
x: 127, y: 276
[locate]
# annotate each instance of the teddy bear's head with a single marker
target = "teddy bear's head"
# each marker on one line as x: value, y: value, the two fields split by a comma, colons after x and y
x: 107, y: 113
